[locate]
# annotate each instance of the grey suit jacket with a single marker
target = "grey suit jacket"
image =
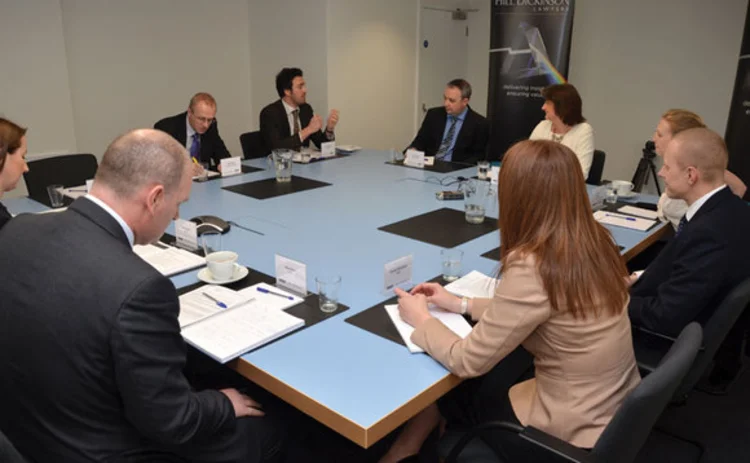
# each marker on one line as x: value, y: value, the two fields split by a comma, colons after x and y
x: 92, y: 355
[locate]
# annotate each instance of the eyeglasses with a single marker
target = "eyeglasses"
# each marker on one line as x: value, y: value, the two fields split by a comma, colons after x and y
x: 205, y: 120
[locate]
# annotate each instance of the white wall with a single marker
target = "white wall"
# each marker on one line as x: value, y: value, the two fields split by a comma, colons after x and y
x: 132, y: 63
x: 372, y: 70
x: 478, y: 61
x: 288, y: 33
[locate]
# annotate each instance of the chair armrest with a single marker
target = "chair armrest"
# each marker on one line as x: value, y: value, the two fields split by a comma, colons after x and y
x: 478, y: 431
x: 557, y: 448
x: 661, y: 336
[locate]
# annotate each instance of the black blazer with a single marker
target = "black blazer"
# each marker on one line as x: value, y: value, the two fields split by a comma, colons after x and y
x: 92, y: 356
x: 4, y: 215
x: 213, y: 149
x: 695, y: 271
x: 274, y: 127
x: 471, y: 144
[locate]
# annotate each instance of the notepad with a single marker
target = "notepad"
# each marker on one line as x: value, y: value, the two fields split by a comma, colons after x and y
x: 75, y: 192
x: 234, y: 331
x: 198, y: 304
x: 639, y: 212
x: 473, y: 284
x: 455, y: 322
x: 211, y: 174
x: 625, y: 221
x: 168, y: 260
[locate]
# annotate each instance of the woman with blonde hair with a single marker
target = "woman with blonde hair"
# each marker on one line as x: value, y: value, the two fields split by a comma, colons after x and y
x: 562, y: 296
x: 671, y: 123
x: 12, y: 160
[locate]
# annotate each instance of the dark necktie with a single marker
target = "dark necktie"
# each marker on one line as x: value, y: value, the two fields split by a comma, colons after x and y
x: 295, y: 115
x: 446, y: 143
x: 195, y: 147
x: 681, y: 226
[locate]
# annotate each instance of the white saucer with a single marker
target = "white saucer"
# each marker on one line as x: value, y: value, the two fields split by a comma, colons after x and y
x: 240, y: 272
x: 630, y: 194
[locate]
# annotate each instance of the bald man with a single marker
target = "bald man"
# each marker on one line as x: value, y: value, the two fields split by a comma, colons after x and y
x: 710, y: 253
x: 92, y: 355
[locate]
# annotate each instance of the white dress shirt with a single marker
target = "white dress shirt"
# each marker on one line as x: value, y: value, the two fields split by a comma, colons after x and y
x: 125, y: 227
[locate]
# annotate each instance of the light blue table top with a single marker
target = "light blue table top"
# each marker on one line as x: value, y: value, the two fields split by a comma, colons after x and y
x: 351, y: 372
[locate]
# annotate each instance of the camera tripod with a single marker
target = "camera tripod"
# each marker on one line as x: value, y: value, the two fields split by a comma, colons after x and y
x: 646, y: 164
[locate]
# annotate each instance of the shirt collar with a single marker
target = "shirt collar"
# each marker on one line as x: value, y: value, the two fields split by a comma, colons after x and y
x: 462, y: 115
x: 288, y: 107
x: 190, y: 131
x: 125, y: 227
x: 693, y: 208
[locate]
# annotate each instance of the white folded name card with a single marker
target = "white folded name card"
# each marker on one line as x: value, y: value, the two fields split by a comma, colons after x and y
x: 414, y: 158
x: 231, y: 166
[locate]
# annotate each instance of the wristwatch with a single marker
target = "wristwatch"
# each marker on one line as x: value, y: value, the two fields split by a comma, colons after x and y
x: 464, y: 305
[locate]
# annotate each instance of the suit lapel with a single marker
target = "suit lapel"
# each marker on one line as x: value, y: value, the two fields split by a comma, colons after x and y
x: 712, y: 203
x: 181, y: 129
x: 99, y: 216
x: 283, y: 119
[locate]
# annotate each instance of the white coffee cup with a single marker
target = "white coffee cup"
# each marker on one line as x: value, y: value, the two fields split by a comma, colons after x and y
x: 221, y: 264
x: 623, y: 187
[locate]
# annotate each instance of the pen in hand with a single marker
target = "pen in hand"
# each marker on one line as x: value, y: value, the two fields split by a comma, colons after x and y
x: 267, y: 291
x: 218, y: 302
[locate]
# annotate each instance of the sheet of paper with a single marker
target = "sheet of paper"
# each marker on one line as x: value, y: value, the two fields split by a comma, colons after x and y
x: 625, y: 221
x: 271, y: 298
x: 639, y: 212
x: 89, y: 185
x: 169, y: 260
x: 473, y: 284
x: 453, y: 321
x: 231, y: 166
x: 414, y: 158
x: 398, y: 273
x: 211, y: 174
x: 291, y: 274
x: 429, y: 160
x: 328, y: 149
x: 233, y: 332
x: 75, y: 192
x: 196, y: 306
x: 186, y: 234
x: 494, y: 174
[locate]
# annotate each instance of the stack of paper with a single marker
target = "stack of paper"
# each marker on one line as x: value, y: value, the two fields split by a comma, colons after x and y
x: 168, y: 260
x: 243, y: 326
x: 638, y: 212
x: 208, y: 300
x: 211, y: 174
x: 455, y: 322
x: 622, y: 220
x: 74, y: 192
x: 473, y: 284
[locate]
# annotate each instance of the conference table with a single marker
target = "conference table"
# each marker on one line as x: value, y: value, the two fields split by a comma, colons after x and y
x: 359, y: 384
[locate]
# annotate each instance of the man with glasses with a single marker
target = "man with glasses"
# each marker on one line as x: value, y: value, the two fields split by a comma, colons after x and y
x: 197, y: 130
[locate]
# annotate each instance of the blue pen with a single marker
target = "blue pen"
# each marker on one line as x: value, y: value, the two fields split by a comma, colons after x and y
x: 218, y: 302
x: 267, y: 291
x: 632, y: 219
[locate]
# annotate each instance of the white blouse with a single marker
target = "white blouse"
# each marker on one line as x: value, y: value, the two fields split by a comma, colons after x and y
x: 580, y: 139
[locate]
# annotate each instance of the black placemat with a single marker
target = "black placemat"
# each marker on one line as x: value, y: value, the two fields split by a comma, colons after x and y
x: 376, y: 320
x: 67, y: 201
x: 444, y: 227
x: 441, y: 167
x: 308, y: 310
x: 245, y: 170
x: 494, y: 254
x: 270, y: 188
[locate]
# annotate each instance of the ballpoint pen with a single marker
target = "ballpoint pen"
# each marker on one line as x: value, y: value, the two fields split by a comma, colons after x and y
x: 218, y: 302
x: 268, y: 291
x: 632, y: 219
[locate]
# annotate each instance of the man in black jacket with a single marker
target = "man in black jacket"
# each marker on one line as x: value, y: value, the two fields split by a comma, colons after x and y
x: 454, y: 132
x: 198, y: 131
x: 92, y: 355
x: 289, y: 122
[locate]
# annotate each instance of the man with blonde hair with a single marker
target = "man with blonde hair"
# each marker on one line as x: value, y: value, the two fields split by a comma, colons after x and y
x: 710, y: 253
x: 198, y: 131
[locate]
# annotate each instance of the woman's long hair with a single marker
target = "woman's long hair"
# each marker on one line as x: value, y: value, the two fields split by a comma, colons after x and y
x: 545, y: 212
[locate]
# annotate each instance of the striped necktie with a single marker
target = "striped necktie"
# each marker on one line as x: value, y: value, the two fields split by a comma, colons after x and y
x: 446, y: 143
x: 195, y: 147
x: 295, y: 116
x: 681, y: 225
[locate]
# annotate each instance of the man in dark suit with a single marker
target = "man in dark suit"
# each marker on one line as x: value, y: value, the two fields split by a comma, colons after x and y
x: 454, y: 132
x: 92, y: 356
x: 710, y: 253
x: 289, y: 123
x: 198, y: 131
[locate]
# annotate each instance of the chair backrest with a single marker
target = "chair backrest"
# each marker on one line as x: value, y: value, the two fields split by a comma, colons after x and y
x: 715, y: 330
x: 8, y: 453
x: 67, y: 170
x: 597, y: 168
x: 252, y: 145
x: 624, y: 436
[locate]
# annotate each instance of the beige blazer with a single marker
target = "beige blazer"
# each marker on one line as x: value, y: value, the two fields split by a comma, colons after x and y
x: 584, y: 368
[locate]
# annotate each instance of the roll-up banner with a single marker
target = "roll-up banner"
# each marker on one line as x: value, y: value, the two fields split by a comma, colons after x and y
x: 529, y: 50
x: 738, y: 125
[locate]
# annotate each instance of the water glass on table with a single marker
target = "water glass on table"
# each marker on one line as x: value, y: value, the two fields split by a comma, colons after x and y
x: 483, y: 170
x: 451, y: 260
x: 476, y: 195
x: 282, y: 163
x: 328, y: 292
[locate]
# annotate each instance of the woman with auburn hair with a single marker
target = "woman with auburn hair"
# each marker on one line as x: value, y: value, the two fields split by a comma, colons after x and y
x: 564, y: 123
x: 671, y: 123
x: 562, y: 296
x: 12, y: 160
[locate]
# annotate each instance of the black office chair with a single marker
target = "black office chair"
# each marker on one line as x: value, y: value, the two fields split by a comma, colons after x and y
x: 252, y: 145
x: 597, y: 168
x: 650, y: 347
x: 621, y: 440
x: 8, y: 453
x: 67, y: 170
